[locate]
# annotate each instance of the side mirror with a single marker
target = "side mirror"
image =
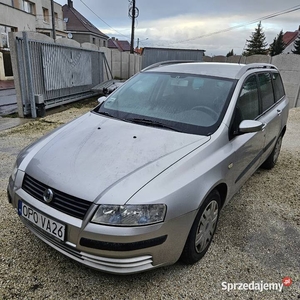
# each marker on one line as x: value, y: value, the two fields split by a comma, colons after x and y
x: 101, y: 99
x: 248, y: 126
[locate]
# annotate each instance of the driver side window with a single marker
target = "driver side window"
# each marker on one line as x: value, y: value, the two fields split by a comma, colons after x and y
x: 248, y: 102
x: 247, y: 107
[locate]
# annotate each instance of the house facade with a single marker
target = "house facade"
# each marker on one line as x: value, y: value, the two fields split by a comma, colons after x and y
x: 24, y: 15
x: 80, y: 29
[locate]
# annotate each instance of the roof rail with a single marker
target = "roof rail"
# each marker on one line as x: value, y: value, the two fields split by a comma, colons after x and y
x: 252, y: 66
x: 167, y: 62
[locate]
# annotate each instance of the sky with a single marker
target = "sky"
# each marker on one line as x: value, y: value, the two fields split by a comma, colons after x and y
x: 191, y: 24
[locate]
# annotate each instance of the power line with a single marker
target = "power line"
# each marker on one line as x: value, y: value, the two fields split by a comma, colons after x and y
x: 273, y: 15
x: 102, y: 19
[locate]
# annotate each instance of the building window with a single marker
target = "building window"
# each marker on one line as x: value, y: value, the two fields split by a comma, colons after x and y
x: 4, y: 30
x: 56, y: 18
x: 104, y: 43
x: 28, y: 7
x: 46, y: 14
x: 94, y: 41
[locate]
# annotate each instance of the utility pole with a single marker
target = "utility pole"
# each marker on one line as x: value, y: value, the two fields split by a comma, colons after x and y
x: 133, y: 13
x: 53, y: 20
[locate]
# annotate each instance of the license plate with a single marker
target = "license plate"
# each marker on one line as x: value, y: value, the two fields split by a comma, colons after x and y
x: 47, y: 224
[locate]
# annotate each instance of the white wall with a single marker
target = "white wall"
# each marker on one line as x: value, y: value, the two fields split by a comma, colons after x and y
x: 122, y: 64
x: 16, y: 18
x: 40, y: 23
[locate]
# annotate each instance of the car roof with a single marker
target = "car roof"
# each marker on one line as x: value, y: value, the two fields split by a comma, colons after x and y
x: 226, y: 70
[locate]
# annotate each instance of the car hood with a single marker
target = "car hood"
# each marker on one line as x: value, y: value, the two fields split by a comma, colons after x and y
x: 107, y: 160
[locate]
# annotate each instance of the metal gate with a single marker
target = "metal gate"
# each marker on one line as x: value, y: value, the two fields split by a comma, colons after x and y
x: 51, y: 74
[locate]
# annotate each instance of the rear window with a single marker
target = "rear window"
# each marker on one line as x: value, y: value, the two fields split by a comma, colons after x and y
x: 278, y: 86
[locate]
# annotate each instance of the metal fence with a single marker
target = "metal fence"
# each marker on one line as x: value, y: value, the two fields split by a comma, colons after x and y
x: 153, y: 55
x: 54, y: 74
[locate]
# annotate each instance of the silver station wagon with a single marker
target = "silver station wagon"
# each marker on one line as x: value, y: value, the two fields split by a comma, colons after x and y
x: 139, y: 182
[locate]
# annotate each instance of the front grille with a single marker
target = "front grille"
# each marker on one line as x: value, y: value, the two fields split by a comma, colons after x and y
x: 65, y: 203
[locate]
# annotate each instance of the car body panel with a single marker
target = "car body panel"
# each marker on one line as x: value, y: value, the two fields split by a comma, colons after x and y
x: 109, y: 161
x: 273, y: 125
x: 77, y: 158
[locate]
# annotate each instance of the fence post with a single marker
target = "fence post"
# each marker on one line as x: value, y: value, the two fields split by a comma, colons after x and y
x: 29, y: 75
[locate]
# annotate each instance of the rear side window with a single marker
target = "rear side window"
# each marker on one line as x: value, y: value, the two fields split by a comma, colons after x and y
x: 278, y: 86
x: 266, y: 90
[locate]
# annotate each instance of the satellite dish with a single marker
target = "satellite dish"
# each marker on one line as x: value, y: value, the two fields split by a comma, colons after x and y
x: 66, y: 20
x: 70, y: 35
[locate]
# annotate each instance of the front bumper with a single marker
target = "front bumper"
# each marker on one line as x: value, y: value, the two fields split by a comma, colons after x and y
x: 119, y: 250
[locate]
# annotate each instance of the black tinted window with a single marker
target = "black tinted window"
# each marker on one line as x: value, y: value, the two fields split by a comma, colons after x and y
x: 278, y: 86
x: 266, y: 90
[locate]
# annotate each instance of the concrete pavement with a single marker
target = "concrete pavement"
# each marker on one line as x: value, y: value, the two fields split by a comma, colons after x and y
x: 8, y: 101
x: 8, y: 98
x: 6, y: 123
x: 8, y: 105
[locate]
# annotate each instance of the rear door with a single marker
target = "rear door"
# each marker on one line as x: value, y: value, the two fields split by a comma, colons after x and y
x: 271, y: 109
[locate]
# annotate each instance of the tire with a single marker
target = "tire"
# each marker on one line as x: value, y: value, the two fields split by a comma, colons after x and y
x: 206, y: 220
x: 271, y: 161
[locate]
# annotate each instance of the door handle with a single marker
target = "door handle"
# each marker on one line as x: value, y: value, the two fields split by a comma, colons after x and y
x: 279, y: 111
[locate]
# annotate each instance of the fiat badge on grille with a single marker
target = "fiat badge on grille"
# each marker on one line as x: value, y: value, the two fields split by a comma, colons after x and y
x: 48, y: 195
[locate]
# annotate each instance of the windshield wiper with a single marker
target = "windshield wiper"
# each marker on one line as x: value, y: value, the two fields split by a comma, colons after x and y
x: 104, y: 113
x: 149, y: 122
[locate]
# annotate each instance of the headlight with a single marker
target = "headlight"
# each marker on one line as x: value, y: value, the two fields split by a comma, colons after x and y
x: 14, y: 171
x: 130, y: 215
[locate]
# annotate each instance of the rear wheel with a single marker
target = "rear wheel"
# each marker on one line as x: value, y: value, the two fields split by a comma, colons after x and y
x: 203, y: 229
x: 271, y: 161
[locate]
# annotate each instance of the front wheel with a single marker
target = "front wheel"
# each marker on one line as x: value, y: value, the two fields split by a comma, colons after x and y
x: 203, y: 229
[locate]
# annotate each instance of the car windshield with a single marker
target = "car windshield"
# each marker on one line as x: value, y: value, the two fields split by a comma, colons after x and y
x: 182, y: 102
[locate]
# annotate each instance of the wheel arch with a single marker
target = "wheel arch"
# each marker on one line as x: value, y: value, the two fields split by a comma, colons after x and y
x: 283, y: 130
x: 223, y: 190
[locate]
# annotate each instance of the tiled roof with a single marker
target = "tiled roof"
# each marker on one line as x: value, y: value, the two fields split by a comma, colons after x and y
x: 124, y: 45
x: 77, y: 22
x: 289, y: 37
x: 113, y: 44
x: 120, y: 45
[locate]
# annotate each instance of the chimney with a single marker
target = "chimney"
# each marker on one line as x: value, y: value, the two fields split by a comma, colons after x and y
x: 70, y: 3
